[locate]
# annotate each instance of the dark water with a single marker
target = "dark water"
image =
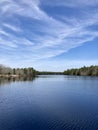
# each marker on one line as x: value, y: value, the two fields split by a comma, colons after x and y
x: 49, y: 103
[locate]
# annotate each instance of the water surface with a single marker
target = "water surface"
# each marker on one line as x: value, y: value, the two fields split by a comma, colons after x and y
x: 49, y: 103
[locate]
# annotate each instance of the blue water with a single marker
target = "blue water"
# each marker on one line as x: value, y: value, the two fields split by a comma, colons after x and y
x: 49, y: 103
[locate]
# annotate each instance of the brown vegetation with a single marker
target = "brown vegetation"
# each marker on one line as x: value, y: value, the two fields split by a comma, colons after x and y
x: 84, y: 71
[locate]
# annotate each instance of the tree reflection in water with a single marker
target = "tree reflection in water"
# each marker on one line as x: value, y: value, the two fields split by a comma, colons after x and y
x: 9, y: 80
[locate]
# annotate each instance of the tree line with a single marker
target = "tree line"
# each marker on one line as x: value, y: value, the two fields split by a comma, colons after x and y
x: 4, y: 70
x: 84, y: 71
x: 49, y: 73
x: 31, y: 72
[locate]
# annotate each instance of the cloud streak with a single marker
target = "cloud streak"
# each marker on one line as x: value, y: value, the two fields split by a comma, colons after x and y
x: 14, y: 28
x: 43, y: 36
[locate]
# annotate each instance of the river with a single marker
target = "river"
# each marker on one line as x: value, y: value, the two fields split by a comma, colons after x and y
x: 49, y: 102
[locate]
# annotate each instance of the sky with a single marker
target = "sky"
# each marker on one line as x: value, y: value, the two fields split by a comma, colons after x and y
x: 49, y: 35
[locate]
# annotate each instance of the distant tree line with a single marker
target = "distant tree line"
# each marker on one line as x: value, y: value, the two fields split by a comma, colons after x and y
x: 49, y: 73
x: 31, y: 72
x: 17, y: 71
x: 84, y: 71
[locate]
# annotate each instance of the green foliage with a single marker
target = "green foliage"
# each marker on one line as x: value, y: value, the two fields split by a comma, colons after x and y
x: 85, y: 71
x: 49, y: 73
x: 14, y: 71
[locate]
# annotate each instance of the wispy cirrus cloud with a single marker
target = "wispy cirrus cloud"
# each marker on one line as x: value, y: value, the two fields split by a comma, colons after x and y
x: 14, y: 28
x: 23, y: 8
x: 27, y: 29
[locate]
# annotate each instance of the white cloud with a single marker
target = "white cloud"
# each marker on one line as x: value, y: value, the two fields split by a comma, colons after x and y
x: 58, y: 37
x: 14, y: 28
x: 23, y: 8
x: 2, y: 32
x: 7, y: 43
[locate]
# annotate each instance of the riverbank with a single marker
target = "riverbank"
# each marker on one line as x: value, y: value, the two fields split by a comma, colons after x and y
x: 9, y: 76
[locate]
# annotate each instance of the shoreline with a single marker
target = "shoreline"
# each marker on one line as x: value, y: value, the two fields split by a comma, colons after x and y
x: 25, y: 76
x: 9, y: 76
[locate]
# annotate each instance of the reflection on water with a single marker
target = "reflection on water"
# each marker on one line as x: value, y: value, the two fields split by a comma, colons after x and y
x: 4, y: 81
x: 49, y: 103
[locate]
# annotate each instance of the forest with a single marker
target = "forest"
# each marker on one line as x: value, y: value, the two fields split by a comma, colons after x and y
x: 84, y: 71
x: 15, y: 72
x: 31, y: 72
x: 49, y: 73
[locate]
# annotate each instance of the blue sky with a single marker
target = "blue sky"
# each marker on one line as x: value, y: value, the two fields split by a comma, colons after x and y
x: 50, y: 35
